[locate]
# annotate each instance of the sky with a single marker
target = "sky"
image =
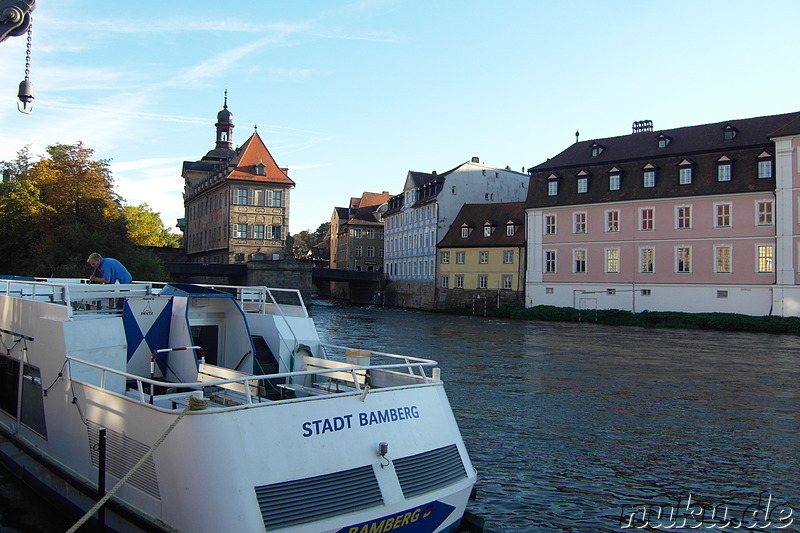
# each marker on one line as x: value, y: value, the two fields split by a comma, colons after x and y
x: 351, y: 95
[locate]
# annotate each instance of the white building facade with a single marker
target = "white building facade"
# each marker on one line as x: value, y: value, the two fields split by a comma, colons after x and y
x: 419, y: 217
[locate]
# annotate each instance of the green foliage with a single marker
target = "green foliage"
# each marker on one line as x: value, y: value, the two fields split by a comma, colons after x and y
x: 144, y: 265
x: 145, y: 228
x: 21, y: 222
x: 653, y: 319
x: 305, y: 240
x: 56, y: 211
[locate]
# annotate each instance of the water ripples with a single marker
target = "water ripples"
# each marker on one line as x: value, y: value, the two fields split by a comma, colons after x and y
x: 569, y: 425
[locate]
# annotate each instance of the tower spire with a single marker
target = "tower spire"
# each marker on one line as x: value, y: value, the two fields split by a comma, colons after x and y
x: 225, y: 126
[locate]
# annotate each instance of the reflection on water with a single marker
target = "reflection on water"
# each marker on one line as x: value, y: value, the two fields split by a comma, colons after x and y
x: 569, y: 425
x: 573, y: 425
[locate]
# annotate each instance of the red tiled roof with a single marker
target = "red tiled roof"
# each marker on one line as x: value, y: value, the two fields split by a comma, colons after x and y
x: 251, y: 153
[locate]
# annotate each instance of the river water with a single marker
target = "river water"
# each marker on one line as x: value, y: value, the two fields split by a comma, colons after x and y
x: 587, y: 428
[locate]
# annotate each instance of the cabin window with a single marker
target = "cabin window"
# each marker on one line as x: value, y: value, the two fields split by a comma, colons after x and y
x: 32, y: 412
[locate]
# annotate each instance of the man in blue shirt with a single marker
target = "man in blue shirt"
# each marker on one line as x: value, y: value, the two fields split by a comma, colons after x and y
x: 111, y: 270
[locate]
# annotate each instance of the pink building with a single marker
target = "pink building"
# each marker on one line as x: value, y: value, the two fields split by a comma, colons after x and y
x: 701, y: 218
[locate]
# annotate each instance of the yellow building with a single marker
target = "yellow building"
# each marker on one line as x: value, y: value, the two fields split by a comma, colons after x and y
x: 480, y: 260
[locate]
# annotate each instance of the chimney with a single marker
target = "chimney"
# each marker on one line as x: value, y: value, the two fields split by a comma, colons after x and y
x: 476, y: 160
x: 285, y: 170
x: 642, y: 125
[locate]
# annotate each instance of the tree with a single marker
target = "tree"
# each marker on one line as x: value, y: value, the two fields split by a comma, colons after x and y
x: 78, y: 187
x: 145, y: 227
x: 23, y: 219
x: 54, y: 212
x: 305, y: 240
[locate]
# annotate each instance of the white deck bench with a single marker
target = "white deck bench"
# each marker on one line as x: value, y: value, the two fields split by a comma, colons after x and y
x: 230, y: 393
x: 342, y: 380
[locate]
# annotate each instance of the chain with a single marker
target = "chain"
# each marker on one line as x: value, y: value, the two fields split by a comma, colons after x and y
x: 28, y: 53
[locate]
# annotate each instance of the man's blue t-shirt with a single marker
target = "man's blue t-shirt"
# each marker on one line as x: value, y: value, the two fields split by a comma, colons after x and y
x: 114, y: 271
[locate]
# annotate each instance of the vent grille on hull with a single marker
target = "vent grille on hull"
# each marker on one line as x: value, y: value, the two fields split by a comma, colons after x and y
x: 430, y: 470
x: 122, y: 453
x: 305, y: 500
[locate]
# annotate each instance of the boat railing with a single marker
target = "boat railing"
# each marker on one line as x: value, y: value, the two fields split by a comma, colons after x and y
x: 152, y: 391
x: 78, y: 295
x: 260, y: 299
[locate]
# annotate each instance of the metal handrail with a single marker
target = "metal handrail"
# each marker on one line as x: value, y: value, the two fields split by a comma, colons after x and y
x: 245, y: 380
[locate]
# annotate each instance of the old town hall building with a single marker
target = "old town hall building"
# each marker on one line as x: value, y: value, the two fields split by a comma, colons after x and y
x: 236, y: 200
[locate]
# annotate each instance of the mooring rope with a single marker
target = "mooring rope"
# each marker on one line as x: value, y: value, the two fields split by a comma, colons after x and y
x: 193, y: 406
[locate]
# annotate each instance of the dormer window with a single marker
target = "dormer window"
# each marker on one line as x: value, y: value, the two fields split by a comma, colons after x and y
x: 649, y: 175
x: 724, y: 172
x: 552, y: 185
x: 465, y: 231
x: 596, y: 150
x: 765, y: 165
x: 260, y: 169
x: 583, y: 182
x: 729, y: 133
x: 511, y: 229
x: 663, y: 141
x: 487, y: 229
x: 614, y: 179
x: 685, y: 172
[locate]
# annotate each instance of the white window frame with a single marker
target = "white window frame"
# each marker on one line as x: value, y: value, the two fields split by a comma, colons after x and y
x: 726, y: 268
x: 651, y: 260
x: 649, y: 178
x: 510, y: 230
x: 508, y: 257
x: 721, y: 218
x: 724, y: 171
x: 370, y: 251
x: 679, y: 268
x: 459, y: 281
x: 550, y: 257
x: 508, y: 281
x: 685, y: 175
x: 612, y: 221
x: 483, y: 281
x: 764, y: 168
x: 483, y: 257
x: 464, y: 232
x: 614, y: 181
x: 445, y: 257
x: 357, y: 252
x: 487, y: 230
x: 579, y: 224
x: 445, y: 282
x: 552, y: 188
x: 765, y: 263
x: 239, y: 195
x: 583, y: 184
x: 642, y: 219
x: 550, y: 224
x: 765, y: 217
x: 683, y: 216
x: 461, y: 258
x: 612, y: 260
x: 576, y: 253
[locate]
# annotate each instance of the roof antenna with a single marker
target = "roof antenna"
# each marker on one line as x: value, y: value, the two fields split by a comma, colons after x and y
x: 577, y: 134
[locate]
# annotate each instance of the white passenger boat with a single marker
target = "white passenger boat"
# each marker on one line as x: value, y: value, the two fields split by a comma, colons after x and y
x: 199, y: 408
